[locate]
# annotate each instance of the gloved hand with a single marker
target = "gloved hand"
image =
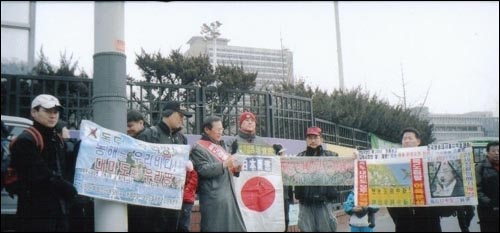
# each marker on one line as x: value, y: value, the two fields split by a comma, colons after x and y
x: 277, y: 148
x: 64, y: 188
x: 234, y: 147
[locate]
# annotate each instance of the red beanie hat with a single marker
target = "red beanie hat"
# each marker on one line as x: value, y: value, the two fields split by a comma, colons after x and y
x: 246, y: 115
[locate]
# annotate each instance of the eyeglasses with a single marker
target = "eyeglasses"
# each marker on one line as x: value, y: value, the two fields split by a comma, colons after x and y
x: 218, y: 129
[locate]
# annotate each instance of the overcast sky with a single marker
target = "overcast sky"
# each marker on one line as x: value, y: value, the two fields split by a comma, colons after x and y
x: 448, y: 49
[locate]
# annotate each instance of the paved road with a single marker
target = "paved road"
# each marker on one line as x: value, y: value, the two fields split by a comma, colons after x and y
x: 385, y: 224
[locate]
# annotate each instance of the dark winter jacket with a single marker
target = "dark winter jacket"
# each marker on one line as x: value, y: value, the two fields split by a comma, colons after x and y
x: 161, y: 133
x: 46, y: 194
x: 158, y: 219
x: 417, y: 219
x: 487, y: 185
x: 316, y: 194
x: 487, y: 192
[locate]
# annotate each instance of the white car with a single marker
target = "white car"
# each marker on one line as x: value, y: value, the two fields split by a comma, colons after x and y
x: 14, y: 125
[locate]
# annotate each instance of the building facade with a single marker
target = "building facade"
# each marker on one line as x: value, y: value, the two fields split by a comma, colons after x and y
x: 18, y: 36
x: 448, y: 127
x: 272, y: 66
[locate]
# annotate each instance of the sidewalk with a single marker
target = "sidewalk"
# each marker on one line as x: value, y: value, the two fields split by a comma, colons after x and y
x: 384, y: 223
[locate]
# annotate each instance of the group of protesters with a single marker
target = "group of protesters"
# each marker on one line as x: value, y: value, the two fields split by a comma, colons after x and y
x: 47, y: 195
x: 215, y: 166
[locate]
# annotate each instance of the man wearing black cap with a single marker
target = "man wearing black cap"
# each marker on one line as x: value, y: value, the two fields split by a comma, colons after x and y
x: 38, y: 157
x: 316, y: 202
x: 167, y: 131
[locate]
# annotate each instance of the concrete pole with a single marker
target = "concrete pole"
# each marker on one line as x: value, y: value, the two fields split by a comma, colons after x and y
x: 109, y: 101
x: 339, y: 45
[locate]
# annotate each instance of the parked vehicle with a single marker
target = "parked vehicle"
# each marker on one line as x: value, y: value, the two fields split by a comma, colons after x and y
x: 15, y: 125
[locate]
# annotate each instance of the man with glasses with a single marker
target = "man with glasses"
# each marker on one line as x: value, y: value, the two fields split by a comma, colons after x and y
x: 216, y: 168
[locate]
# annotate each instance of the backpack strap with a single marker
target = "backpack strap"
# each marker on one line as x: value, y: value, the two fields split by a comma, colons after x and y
x: 37, y: 136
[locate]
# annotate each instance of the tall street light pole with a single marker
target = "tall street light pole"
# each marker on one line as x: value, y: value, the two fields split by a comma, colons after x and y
x: 339, y: 45
x: 211, y: 33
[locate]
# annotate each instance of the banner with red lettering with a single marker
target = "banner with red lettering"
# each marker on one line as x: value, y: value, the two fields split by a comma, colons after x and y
x: 116, y: 167
x: 432, y: 175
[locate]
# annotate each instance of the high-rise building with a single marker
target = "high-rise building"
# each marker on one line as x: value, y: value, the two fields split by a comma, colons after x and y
x: 272, y: 66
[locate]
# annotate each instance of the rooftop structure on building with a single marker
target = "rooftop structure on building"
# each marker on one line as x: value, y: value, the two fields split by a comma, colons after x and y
x: 272, y: 66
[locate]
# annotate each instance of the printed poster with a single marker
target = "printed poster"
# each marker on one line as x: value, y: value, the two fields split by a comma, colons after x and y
x: 317, y: 171
x: 434, y: 175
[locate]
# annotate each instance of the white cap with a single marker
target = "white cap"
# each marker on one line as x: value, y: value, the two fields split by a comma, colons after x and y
x: 46, y: 101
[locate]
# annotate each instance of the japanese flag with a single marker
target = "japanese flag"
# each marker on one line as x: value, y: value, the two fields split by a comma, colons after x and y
x: 259, y: 191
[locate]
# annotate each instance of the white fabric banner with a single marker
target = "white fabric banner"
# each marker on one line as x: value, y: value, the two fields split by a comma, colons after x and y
x: 117, y: 167
x: 259, y: 191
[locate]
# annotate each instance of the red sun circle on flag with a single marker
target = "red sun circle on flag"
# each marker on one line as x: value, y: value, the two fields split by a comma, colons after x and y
x: 258, y: 194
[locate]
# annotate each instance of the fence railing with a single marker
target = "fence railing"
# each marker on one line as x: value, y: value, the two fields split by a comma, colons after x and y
x: 278, y: 115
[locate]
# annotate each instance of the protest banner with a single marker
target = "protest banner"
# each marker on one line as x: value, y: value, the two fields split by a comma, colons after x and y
x: 314, y: 171
x: 435, y: 175
x: 116, y: 167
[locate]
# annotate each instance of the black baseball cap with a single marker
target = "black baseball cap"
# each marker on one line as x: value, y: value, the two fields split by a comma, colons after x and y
x: 176, y: 107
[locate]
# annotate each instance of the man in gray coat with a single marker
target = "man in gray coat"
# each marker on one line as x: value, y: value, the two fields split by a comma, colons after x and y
x: 216, y: 167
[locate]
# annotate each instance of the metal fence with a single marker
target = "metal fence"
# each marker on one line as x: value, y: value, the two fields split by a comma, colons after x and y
x: 75, y: 94
x: 278, y: 115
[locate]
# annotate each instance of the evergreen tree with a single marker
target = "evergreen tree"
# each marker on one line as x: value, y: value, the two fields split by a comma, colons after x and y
x: 358, y: 109
x: 177, y: 69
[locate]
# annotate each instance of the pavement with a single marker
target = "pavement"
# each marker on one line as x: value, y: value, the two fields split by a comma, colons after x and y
x: 384, y: 223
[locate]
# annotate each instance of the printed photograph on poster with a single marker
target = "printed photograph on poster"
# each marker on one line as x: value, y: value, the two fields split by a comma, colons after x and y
x: 446, y: 178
